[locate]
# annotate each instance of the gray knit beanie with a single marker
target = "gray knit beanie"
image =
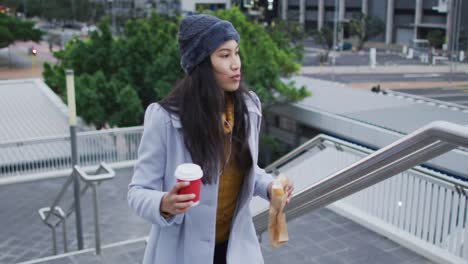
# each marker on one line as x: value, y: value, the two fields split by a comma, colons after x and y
x: 199, y: 36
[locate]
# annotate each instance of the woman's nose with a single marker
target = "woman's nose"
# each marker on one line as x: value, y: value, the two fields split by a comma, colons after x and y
x: 235, y: 65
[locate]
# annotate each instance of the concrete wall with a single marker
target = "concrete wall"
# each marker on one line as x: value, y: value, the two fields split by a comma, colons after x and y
x: 404, y: 4
x: 428, y: 4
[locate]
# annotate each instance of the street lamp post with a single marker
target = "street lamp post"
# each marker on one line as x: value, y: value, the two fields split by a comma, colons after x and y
x: 74, y: 152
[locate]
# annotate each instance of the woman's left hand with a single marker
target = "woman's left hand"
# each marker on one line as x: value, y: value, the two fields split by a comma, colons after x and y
x: 288, y: 190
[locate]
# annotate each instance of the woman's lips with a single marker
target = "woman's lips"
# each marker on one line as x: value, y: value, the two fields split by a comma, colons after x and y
x: 236, y: 77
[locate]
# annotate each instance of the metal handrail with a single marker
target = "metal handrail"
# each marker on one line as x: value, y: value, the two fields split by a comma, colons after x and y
x: 64, y: 137
x: 422, y: 145
x: 356, y: 149
x: 58, y: 212
x: 104, y: 172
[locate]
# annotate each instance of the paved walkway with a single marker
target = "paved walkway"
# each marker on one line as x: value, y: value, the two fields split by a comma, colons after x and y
x: 25, y: 237
x: 318, y: 237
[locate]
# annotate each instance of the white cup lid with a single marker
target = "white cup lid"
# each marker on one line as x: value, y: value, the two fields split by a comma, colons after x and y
x: 188, y: 172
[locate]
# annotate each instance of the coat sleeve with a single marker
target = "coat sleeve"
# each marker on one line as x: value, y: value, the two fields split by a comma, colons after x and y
x: 262, y: 178
x: 145, y: 191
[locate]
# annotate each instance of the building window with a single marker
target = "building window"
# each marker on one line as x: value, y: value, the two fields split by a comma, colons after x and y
x: 287, y: 124
x: 212, y: 7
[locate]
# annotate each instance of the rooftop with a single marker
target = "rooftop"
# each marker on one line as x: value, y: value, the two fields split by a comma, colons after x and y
x: 378, y: 109
x: 30, y: 109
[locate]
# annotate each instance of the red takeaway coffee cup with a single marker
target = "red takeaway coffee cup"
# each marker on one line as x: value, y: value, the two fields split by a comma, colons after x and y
x: 192, y: 173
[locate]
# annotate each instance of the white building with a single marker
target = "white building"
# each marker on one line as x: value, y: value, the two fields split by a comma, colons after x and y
x: 404, y: 19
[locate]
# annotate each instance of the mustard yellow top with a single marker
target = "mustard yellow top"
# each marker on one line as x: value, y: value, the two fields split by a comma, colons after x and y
x: 230, y: 181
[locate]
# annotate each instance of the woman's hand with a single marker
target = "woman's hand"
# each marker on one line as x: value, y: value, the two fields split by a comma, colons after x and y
x: 173, y: 203
x: 288, y: 190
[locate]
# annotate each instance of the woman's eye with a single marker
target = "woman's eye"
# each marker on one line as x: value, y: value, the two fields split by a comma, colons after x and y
x: 225, y: 55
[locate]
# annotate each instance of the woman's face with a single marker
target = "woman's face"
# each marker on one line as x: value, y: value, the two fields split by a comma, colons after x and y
x: 227, y: 65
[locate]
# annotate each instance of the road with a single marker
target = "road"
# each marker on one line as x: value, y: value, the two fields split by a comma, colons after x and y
x: 15, y: 62
x: 400, y: 77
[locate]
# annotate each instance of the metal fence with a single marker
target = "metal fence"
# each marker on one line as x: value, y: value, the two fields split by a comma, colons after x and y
x: 425, y: 204
x: 51, y: 154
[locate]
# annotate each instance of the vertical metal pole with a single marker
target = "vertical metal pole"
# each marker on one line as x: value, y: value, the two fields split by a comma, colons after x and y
x: 97, y: 233
x: 302, y: 13
x: 365, y: 7
x: 448, y: 25
x: 389, y: 24
x: 417, y: 17
x: 457, y: 32
x: 321, y: 14
x: 73, y: 9
x: 284, y: 9
x: 452, y: 17
x: 9, y: 56
x: 76, y: 179
x: 341, y: 18
x: 335, y: 25
x: 111, y: 2
x: 32, y: 65
x: 54, y: 238
x: 24, y: 8
x: 64, y: 232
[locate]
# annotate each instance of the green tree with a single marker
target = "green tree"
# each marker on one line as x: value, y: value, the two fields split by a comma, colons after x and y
x: 324, y: 37
x: 364, y: 27
x: 13, y: 29
x: 436, y: 38
x: 288, y: 36
x: 264, y: 62
x: 111, y: 102
x: 464, y: 40
x: 140, y: 67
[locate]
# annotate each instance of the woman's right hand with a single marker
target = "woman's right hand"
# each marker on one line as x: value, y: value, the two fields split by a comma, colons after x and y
x: 173, y: 203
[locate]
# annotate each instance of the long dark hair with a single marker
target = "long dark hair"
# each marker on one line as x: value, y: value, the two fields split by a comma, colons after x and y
x: 199, y: 103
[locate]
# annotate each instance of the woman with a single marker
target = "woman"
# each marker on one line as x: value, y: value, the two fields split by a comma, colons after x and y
x: 211, y: 120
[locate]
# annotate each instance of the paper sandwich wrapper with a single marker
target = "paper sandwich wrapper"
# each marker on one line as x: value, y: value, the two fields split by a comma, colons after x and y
x: 277, y: 229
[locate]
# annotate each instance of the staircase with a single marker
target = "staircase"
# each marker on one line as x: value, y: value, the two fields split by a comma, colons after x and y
x: 315, y: 233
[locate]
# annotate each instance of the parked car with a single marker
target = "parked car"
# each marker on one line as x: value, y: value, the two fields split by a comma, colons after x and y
x: 344, y: 46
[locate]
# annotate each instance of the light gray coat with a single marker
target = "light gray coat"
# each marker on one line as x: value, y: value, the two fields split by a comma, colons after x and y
x: 190, y: 237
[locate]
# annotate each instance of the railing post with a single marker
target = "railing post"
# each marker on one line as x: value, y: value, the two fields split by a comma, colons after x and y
x: 76, y: 179
x: 54, y: 238
x: 97, y: 233
x: 64, y: 232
